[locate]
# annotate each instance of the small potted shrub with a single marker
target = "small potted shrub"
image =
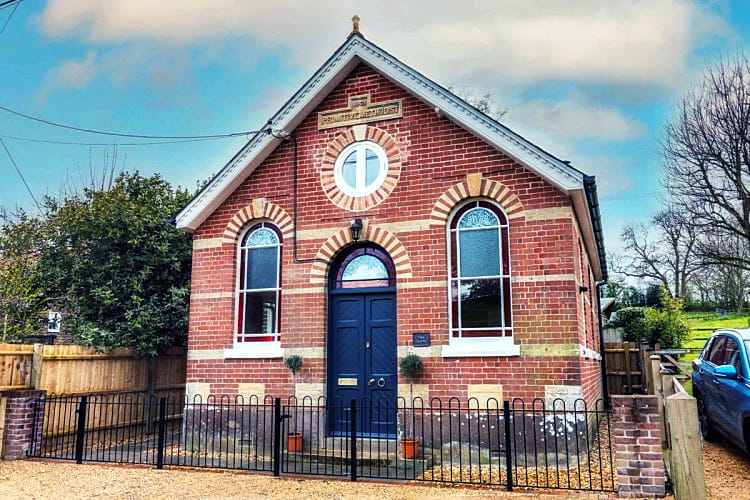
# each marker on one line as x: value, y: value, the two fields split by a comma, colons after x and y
x: 411, y: 367
x: 294, y: 439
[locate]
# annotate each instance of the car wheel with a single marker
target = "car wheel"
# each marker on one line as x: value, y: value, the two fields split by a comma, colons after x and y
x: 707, y: 431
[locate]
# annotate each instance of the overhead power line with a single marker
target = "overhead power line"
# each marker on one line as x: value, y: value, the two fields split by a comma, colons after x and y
x: 77, y: 143
x: 7, y: 3
x: 10, y: 16
x: 20, y: 174
x: 121, y: 134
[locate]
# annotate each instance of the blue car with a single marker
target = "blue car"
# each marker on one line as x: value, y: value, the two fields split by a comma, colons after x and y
x: 721, y: 384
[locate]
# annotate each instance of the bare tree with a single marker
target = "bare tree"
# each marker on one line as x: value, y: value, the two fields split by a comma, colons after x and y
x: 706, y: 153
x: 484, y: 103
x: 723, y: 285
x: 664, y: 251
x: 96, y: 178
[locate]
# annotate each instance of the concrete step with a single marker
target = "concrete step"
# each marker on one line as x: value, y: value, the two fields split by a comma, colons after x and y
x: 366, y: 457
x: 376, y: 446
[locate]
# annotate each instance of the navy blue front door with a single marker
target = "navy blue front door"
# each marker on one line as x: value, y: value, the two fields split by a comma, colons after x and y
x: 362, y: 360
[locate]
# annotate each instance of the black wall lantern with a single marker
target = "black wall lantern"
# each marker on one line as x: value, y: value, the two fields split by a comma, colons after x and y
x: 356, y: 229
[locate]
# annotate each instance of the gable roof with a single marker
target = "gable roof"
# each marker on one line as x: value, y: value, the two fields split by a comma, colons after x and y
x: 355, y: 50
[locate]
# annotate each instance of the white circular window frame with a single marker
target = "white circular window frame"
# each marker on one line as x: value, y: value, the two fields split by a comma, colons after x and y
x: 338, y: 177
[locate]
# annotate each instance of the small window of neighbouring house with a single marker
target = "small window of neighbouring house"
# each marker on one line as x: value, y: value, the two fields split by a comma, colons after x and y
x: 259, y: 285
x: 360, y: 168
x: 479, y: 273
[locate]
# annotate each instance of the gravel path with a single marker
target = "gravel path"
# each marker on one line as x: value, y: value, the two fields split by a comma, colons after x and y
x: 33, y: 479
x: 727, y: 471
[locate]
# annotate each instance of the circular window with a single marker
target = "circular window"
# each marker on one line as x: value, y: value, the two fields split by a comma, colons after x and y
x: 360, y: 168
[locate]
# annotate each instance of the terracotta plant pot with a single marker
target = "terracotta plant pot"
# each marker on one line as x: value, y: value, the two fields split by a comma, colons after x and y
x: 410, y: 447
x: 294, y: 442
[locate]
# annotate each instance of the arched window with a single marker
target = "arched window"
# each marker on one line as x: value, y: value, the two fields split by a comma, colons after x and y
x: 259, y: 284
x: 480, y: 299
x: 364, y: 267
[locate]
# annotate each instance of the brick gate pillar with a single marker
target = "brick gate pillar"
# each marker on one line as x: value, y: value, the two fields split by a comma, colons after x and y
x: 24, y: 418
x: 637, y: 442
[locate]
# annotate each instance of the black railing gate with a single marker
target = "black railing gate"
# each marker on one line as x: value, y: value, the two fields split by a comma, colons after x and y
x: 512, y: 444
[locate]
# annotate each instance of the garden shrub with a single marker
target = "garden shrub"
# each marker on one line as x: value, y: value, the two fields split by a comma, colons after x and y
x: 633, y: 322
x: 665, y: 325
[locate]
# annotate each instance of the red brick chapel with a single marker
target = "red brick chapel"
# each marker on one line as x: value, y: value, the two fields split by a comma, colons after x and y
x: 380, y: 215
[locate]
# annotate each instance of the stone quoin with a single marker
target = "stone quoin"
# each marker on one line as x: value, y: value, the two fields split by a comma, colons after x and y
x: 470, y: 234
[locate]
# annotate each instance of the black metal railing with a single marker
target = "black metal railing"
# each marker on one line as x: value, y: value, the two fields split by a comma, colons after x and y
x: 496, y: 443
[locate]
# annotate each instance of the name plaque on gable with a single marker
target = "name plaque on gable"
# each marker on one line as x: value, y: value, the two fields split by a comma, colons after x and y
x: 360, y: 110
x: 421, y: 339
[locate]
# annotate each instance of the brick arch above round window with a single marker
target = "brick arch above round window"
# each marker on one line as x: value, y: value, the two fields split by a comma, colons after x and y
x: 336, y: 146
x: 259, y: 208
x: 475, y: 186
x: 370, y: 233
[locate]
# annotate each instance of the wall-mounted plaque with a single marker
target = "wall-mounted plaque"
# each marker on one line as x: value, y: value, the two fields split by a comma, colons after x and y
x: 360, y: 110
x: 421, y: 339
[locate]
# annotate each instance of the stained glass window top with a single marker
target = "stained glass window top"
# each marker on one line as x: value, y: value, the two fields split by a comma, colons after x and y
x: 365, y: 267
x: 478, y: 217
x: 262, y: 237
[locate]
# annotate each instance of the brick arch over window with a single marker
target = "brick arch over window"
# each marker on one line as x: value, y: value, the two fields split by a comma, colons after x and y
x: 475, y: 186
x: 355, y: 134
x: 343, y: 237
x: 259, y: 208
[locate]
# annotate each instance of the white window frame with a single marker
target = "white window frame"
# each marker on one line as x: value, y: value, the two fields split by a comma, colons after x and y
x: 479, y: 346
x: 260, y: 349
x: 361, y: 170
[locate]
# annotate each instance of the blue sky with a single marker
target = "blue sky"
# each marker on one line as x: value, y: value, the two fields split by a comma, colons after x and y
x: 592, y: 82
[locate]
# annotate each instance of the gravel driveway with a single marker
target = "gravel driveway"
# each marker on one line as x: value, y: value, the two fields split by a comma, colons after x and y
x: 727, y: 471
x: 33, y: 479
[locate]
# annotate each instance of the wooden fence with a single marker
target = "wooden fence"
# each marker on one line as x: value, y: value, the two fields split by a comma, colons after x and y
x: 71, y: 369
x: 681, y: 439
x: 623, y: 361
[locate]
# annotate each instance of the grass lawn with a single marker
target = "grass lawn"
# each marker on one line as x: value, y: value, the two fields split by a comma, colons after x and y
x: 695, y: 320
x: 702, y: 327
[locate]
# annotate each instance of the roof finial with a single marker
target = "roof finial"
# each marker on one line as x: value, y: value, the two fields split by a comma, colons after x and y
x: 355, y: 24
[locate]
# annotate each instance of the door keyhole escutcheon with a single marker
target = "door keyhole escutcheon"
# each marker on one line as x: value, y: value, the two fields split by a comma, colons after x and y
x: 367, y: 344
x: 381, y: 382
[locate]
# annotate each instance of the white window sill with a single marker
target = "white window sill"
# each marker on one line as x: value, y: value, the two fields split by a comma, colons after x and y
x: 475, y: 350
x: 256, y: 350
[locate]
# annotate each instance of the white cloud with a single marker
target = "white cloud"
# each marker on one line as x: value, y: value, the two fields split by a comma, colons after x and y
x: 71, y: 73
x: 526, y: 41
x: 574, y: 118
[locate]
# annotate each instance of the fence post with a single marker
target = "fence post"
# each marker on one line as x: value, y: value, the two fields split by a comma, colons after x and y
x: 277, y: 436
x: 3, y: 407
x: 36, y: 366
x: 659, y: 392
x: 628, y: 371
x: 667, y: 387
x: 162, y: 431
x: 81, y: 428
x: 353, y: 438
x: 643, y: 360
x: 508, y: 454
x: 687, y: 471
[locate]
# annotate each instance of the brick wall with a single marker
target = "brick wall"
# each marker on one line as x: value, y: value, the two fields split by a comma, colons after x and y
x: 436, y: 155
x: 637, y: 443
x: 20, y: 421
